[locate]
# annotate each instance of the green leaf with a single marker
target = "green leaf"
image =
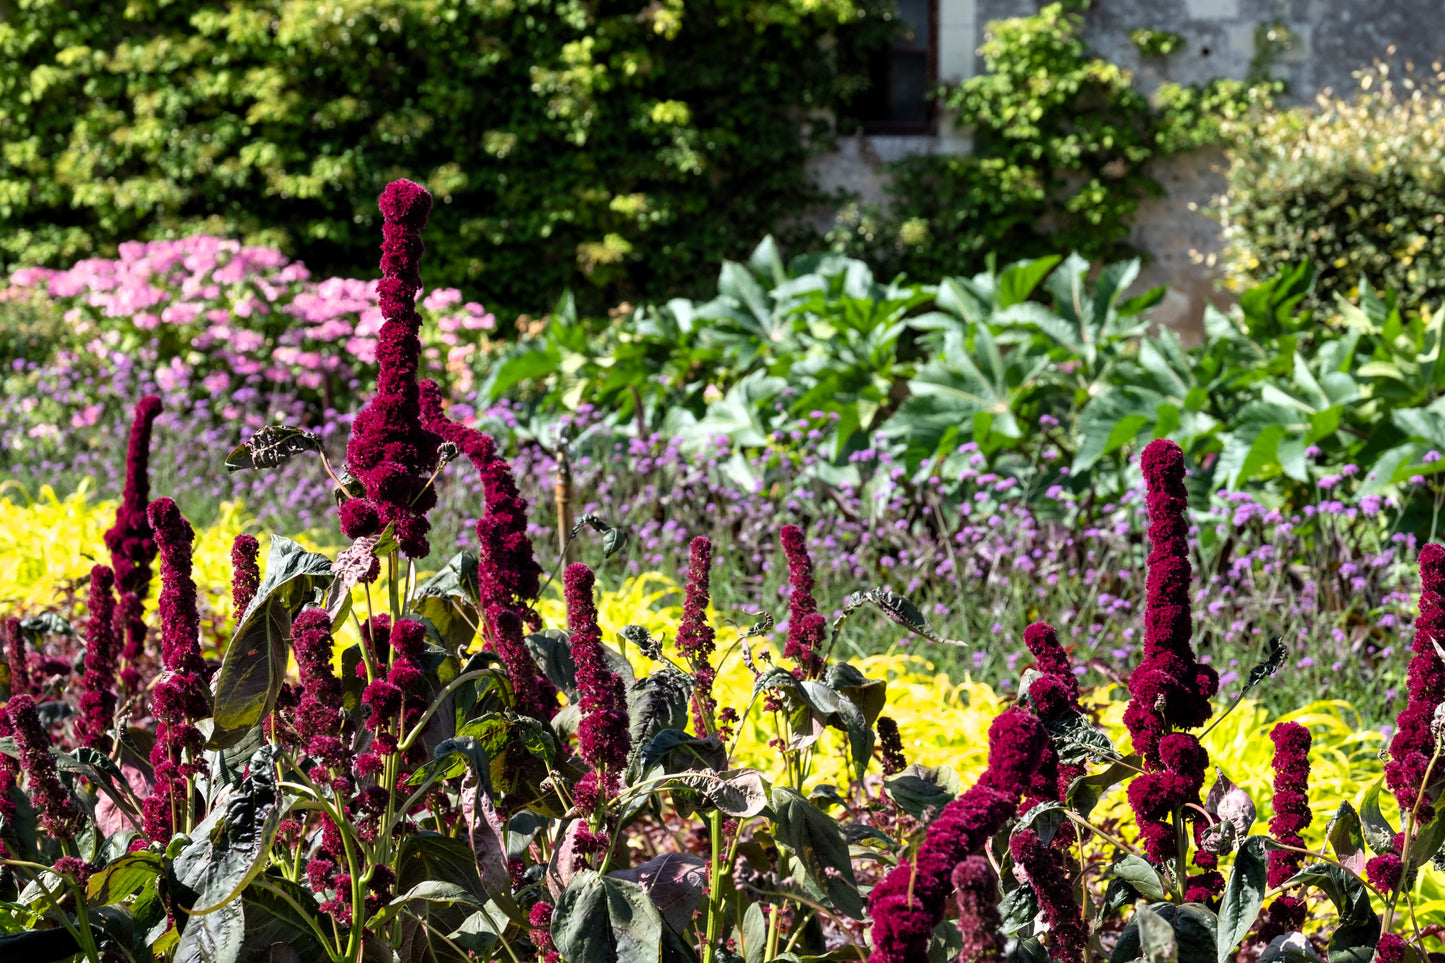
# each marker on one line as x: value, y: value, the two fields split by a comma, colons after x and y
x: 600, y: 919
x: 272, y: 919
x: 754, y: 933
x: 215, y: 937
x: 1243, y: 895
x: 1347, y: 838
x: 1141, y: 876
x: 1379, y: 834
x: 1018, y: 281
x: 813, y: 837
x: 918, y: 789
x: 254, y: 665
x: 659, y: 701
x: 232, y: 845
x: 124, y: 877
x: 1359, y: 927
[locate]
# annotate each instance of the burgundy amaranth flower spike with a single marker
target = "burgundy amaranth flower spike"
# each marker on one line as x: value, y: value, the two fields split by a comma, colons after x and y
x: 806, y: 627
x: 1054, y: 696
x: 695, y: 637
x: 181, y: 697
x: 1291, y: 815
x: 1155, y: 796
x: 59, y: 815
x: 323, y: 727
x: 389, y: 452
x: 97, y: 701
x: 979, y: 922
x: 16, y: 656
x: 1170, y: 688
x: 245, y: 572
x: 1068, y: 936
x: 909, y: 902
x: 890, y: 744
x: 602, y: 735
x: 130, y: 540
x: 1414, y: 743
x: 507, y: 569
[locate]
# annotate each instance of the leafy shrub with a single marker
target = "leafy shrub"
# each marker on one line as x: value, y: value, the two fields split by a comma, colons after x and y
x: 1060, y: 143
x: 435, y: 801
x: 569, y: 145
x: 1352, y: 187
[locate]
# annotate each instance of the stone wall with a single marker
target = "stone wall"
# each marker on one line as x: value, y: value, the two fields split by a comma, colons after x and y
x: 1329, y: 41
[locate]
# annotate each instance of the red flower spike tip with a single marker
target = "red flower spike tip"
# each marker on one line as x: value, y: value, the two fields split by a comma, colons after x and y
x: 1414, y: 743
x: 695, y: 637
x: 389, y: 452
x: 245, y: 572
x: 806, y: 627
x: 102, y: 649
x: 130, y: 540
x: 602, y: 735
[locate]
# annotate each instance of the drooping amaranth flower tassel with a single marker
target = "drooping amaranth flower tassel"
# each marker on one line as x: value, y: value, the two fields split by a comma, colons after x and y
x: 389, y: 452
x: 909, y: 902
x: 102, y: 648
x: 1068, y: 936
x: 16, y: 656
x: 979, y: 922
x: 58, y: 814
x: 1414, y: 743
x: 806, y: 627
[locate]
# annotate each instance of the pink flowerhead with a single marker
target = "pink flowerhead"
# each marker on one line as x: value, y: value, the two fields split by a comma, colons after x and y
x: 979, y: 922
x: 132, y: 548
x: 695, y: 637
x: 389, y: 452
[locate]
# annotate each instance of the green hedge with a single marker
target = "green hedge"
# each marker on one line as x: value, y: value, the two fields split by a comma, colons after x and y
x: 613, y: 147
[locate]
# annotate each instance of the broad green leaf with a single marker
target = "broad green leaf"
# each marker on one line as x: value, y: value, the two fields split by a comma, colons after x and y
x: 818, y: 846
x: 1140, y: 875
x: 600, y: 919
x: 1243, y: 895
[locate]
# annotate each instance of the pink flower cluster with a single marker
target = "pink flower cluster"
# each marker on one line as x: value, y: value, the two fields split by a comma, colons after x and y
x: 245, y: 572
x: 255, y: 314
x: 695, y: 637
x: 97, y: 702
x: 57, y: 811
x: 602, y: 735
x: 909, y: 902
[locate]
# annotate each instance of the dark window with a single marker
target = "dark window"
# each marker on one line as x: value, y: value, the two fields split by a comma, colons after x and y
x: 902, y: 75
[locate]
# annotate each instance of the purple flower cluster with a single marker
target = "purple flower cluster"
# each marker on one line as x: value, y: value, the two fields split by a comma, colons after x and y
x: 245, y: 572
x: 909, y: 902
x: 1170, y: 688
x: 1414, y: 741
x: 806, y: 626
x: 979, y: 923
x: 390, y: 453
x: 181, y: 696
x: 602, y: 735
x: 695, y: 637
x: 1068, y: 934
x: 1291, y: 815
x: 57, y: 811
x: 97, y: 701
x: 130, y: 540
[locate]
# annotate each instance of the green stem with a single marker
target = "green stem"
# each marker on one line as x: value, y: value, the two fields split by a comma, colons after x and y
x: 714, y: 894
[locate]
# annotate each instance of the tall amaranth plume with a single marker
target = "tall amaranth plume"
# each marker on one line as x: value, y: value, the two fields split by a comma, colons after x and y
x: 508, y: 576
x: 98, y: 700
x: 1414, y: 743
x: 910, y: 901
x: 1291, y: 815
x: 245, y: 572
x: 602, y: 735
x: 806, y: 627
x: 16, y: 656
x: 181, y: 696
x: 696, y: 639
x: 389, y: 452
x: 1170, y: 688
x: 1054, y: 696
x: 325, y: 730
x: 979, y: 921
x: 130, y: 540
